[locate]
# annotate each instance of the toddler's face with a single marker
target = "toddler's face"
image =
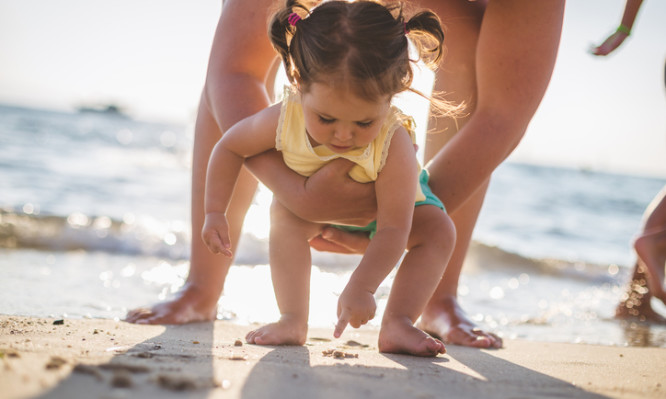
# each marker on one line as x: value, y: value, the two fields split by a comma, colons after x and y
x: 339, y: 119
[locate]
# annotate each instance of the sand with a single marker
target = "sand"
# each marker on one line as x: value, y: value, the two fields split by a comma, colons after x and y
x: 92, y: 358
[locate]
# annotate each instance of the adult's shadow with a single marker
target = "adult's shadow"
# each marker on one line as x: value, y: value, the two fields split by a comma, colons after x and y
x: 179, y: 359
x: 495, y: 375
x: 298, y: 372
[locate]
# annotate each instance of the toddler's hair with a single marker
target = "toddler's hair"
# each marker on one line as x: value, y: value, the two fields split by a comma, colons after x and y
x: 360, y: 45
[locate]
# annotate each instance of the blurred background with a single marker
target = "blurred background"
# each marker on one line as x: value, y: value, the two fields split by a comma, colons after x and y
x: 150, y: 58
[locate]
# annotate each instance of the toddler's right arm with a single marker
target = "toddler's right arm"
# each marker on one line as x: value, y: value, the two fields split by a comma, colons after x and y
x: 251, y: 136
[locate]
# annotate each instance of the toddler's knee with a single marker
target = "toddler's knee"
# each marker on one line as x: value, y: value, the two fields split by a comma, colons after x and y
x: 438, y: 231
x: 280, y: 215
x: 447, y: 232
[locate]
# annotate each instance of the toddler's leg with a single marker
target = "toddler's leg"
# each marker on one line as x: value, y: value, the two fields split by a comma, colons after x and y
x: 290, y: 271
x: 430, y: 246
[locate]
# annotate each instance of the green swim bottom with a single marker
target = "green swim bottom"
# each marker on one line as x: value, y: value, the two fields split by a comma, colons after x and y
x: 431, y: 199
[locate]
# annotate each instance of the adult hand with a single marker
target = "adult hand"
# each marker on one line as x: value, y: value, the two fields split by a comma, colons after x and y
x: 610, y: 44
x: 332, y: 239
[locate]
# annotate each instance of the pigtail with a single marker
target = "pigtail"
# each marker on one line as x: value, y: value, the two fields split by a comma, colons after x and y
x: 281, y: 31
x: 425, y: 31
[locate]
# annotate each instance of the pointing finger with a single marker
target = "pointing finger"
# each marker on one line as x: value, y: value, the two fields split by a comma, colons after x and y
x: 342, y: 324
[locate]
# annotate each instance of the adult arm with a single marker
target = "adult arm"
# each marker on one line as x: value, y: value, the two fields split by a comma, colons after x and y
x: 614, y: 41
x: 239, y: 63
x: 516, y: 54
x: 326, y: 196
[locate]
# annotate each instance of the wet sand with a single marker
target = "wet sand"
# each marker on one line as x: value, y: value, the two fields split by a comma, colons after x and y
x: 92, y: 358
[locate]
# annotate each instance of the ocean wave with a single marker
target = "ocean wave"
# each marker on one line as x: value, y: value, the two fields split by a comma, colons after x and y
x: 488, y: 258
x: 78, y: 231
x: 133, y: 236
x: 148, y: 237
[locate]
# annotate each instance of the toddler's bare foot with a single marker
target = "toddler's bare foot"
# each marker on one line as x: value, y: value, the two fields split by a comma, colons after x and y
x: 400, y: 336
x: 445, y: 319
x: 286, y: 331
x: 190, y: 305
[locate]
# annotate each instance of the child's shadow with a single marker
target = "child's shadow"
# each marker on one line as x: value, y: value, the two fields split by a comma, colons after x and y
x: 168, y: 364
x: 485, y: 376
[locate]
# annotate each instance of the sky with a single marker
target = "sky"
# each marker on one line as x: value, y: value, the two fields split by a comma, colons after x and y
x: 150, y: 57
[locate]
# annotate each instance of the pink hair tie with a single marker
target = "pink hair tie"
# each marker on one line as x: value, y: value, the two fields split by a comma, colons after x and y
x: 404, y: 28
x: 293, y: 19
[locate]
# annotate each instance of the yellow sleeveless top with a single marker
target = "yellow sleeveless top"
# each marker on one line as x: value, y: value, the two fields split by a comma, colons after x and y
x: 299, y: 155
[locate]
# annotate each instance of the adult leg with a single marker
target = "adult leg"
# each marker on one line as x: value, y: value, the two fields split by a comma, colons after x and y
x: 650, y: 246
x: 515, y: 55
x: 235, y: 88
x: 648, y: 276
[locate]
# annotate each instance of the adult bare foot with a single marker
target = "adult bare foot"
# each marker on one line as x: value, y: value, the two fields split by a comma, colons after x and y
x: 635, y: 303
x: 400, y: 336
x: 445, y: 319
x: 286, y: 331
x: 190, y: 305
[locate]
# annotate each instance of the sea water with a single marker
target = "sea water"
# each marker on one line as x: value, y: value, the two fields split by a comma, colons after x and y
x: 94, y: 220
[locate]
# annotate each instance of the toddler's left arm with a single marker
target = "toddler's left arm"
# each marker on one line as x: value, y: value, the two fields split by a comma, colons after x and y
x: 396, y: 194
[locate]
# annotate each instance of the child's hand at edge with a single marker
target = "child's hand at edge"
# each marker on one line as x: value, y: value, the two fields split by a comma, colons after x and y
x: 215, y: 234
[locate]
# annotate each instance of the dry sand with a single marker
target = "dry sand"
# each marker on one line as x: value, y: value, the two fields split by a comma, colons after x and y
x: 108, y: 359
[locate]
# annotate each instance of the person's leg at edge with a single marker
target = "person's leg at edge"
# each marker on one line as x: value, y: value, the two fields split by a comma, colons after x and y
x: 650, y: 248
x: 513, y: 67
x: 239, y: 63
x: 430, y: 245
x: 650, y: 245
x: 635, y: 302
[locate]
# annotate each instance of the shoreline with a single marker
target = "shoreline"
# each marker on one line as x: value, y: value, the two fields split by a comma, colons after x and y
x: 84, y: 358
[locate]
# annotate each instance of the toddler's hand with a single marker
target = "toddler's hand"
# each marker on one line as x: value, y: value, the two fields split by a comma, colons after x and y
x: 356, y: 307
x: 215, y: 234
